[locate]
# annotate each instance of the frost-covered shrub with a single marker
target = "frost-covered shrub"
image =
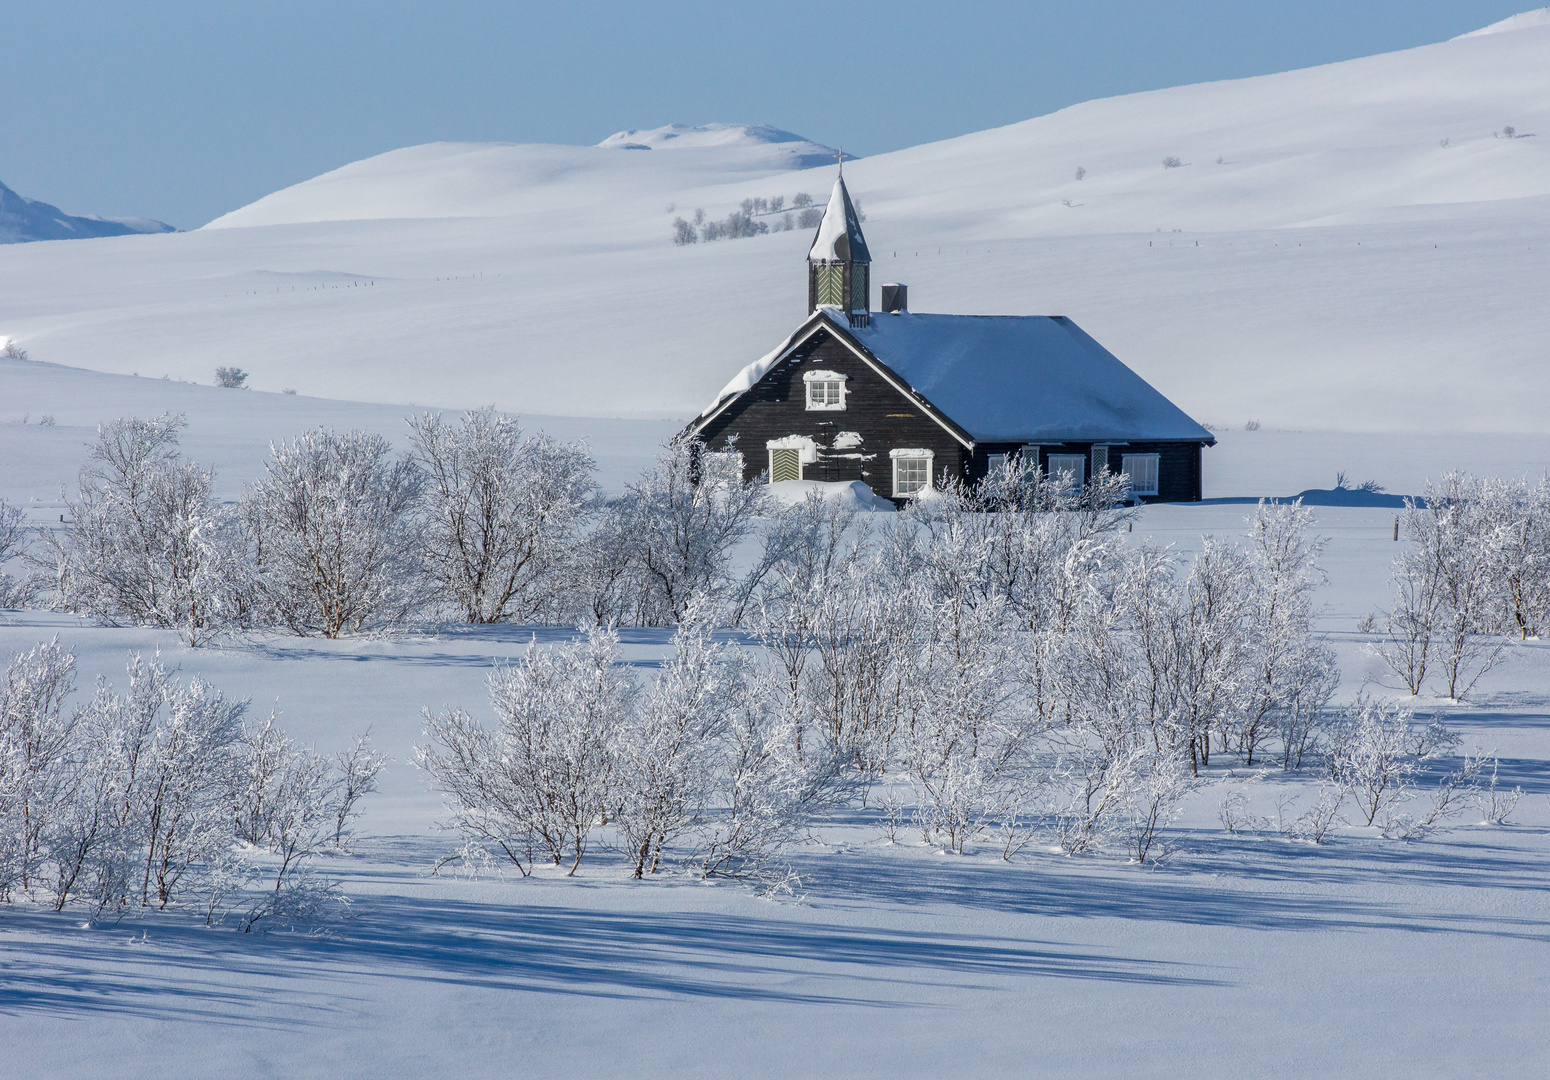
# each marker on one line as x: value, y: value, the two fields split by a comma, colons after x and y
x: 15, y: 542
x: 136, y: 799
x: 147, y: 543
x: 334, y: 542
x: 810, y: 218
x: 666, y: 543
x: 12, y: 350
x: 503, y: 514
x: 1462, y: 564
x: 536, y: 785
x: 232, y: 378
x: 684, y: 233
x: 1171, y: 162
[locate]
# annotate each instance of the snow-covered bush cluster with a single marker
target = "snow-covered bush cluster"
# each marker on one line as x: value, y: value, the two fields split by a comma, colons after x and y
x: 743, y: 222
x: 997, y: 659
x: 339, y: 536
x: 158, y: 797
x: 1475, y: 570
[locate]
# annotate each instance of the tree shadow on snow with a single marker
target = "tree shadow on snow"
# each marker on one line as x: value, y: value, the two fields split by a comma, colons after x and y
x: 190, y: 973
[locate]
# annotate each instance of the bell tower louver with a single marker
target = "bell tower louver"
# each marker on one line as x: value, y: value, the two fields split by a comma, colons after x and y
x: 838, y: 263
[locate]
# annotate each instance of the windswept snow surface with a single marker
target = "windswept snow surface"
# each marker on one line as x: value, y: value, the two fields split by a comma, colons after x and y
x: 1340, y: 268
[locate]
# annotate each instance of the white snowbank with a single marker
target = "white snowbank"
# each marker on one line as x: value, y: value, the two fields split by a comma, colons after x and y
x: 855, y: 493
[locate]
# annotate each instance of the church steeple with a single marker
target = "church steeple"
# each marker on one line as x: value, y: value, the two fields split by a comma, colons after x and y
x: 838, y: 263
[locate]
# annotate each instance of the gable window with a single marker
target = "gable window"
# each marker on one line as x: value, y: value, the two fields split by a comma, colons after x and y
x: 911, y: 472
x: 1070, y: 469
x: 1141, y: 470
x: 825, y: 391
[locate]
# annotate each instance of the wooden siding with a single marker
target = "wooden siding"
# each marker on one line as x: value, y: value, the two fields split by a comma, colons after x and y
x: 1178, y: 463
x: 884, y: 419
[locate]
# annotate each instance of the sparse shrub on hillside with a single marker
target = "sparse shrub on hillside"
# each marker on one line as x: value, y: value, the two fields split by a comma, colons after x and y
x: 12, y: 350
x: 1251, y: 425
x: 1508, y: 132
x: 1081, y: 172
x: 1171, y: 163
x: 777, y: 204
x: 810, y: 218
x: 232, y: 378
x: 683, y: 232
x: 801, y: 201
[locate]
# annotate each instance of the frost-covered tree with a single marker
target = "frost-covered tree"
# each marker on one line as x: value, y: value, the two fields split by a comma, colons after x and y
x: 36, y: 773
x: 1293, y: 674
x: 334, y: 539
x: 15, y: 542
x: 1372, y: 756
x: 287, y: 804
x: 666, y: 754
x: 134, y: 799
x: 503, y: 513
x: 1449, y: 586
x: 538, y: 783
x: 147, y: 542
x: 666, y: 544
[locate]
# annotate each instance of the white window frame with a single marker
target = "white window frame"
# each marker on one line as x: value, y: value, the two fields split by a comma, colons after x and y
x: 826, y: 379
x: 913, y: 455
x: 1074, y: 464
x: 1156, y: 469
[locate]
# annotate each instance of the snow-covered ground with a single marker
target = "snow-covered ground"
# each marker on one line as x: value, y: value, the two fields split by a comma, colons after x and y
x: 1368, y: 294
x: 1240, y: 956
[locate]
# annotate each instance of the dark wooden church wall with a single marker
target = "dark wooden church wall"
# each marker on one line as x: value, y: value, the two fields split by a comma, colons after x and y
x: 1178, y: 464
x: 885, y: 420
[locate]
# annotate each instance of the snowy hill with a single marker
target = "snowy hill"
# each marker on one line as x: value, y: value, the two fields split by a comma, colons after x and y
x: 441, y: 180
x: 1356, y: 247
x: 23, y: 219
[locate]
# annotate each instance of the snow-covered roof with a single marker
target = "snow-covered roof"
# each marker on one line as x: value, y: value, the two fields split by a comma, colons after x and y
x: 1022, y: 378
x: 839, y: 236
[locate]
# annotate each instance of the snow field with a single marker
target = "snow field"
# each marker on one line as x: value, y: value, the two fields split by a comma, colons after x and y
x: 1243, y: 955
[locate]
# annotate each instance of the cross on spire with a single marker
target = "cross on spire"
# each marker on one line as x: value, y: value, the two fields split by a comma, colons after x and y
x: 840, y: 153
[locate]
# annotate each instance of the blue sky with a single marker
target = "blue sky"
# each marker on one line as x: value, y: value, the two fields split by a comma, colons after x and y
x: 182, y: 110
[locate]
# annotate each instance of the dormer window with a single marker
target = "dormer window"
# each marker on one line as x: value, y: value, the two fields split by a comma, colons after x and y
x: 825, y: 391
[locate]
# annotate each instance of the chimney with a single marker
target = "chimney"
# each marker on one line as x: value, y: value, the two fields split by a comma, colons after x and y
x: 895, y: 298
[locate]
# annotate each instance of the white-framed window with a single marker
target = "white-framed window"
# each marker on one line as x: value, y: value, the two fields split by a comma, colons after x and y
x: 994, y: 463
x: 1142, y: 471
x: 825, y: 390
x: 911, y: 472
x: 1072, y: 467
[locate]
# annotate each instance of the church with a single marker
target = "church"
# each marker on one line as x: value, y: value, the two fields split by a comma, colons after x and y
x: 903, y: 400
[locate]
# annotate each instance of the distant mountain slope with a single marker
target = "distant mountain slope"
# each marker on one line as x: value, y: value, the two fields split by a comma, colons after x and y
x: 798, y: 152
x: 23, y: 219
x: 440, y: 180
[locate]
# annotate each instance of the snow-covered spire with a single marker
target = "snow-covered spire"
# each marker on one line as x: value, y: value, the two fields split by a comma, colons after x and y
x: 839, y: 236
x: 838, y: 262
